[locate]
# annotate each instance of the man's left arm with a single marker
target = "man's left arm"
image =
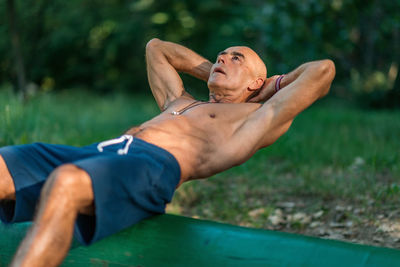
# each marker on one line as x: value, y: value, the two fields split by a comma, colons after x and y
x: 300, y: 88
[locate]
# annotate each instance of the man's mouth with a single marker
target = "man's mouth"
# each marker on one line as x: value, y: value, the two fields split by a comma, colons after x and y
x: 219, y: 70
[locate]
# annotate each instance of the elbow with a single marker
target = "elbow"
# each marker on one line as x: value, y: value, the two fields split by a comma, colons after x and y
x: 328, y: 67
x: 327, y: 72
x: 154, y: 50
x: 153, y: 44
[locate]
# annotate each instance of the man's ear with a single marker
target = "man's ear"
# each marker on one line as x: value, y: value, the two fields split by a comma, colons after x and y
x: 256, y: 85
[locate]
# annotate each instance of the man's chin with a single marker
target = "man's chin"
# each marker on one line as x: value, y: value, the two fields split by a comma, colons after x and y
x: 211, y: 86
x: 216, y: 84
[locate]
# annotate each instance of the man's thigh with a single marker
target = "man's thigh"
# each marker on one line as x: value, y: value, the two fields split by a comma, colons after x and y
x: 29, y: 167
x: 127, y: 189
x: 7, y: 189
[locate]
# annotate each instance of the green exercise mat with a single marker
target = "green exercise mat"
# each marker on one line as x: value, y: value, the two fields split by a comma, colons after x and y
x: 170, y: 240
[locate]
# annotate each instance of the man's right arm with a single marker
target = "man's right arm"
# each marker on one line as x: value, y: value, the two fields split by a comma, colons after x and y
x: 164, y: 61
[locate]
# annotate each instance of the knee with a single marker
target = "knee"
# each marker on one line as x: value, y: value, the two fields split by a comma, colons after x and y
x: 71, y: 182
x: 65, y: 177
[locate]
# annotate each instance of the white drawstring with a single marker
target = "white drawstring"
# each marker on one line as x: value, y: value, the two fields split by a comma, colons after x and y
x: 121, y: 151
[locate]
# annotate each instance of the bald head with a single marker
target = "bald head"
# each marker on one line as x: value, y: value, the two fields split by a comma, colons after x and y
x: 237, y: 73
x: 256, y: 65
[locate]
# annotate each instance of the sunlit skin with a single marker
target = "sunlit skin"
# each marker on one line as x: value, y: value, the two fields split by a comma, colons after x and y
x: 237, y: 71
x: 244, y: 114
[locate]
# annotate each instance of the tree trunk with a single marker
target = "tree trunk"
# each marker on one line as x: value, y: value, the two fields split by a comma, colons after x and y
x: 16, y: 47
x: 394, y: 93
x: 396, y: 88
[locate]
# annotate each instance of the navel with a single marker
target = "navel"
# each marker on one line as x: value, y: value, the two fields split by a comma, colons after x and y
x: 212, y: 115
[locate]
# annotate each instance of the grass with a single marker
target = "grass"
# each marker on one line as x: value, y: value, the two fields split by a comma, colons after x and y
x: 74, y: 118
x: 333, y: 153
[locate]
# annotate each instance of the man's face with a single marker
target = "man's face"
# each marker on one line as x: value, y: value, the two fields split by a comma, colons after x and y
x: 233, y: 76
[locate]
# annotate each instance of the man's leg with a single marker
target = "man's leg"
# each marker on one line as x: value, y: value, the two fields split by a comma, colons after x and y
x: 67, y: 192
x: 7, y: 189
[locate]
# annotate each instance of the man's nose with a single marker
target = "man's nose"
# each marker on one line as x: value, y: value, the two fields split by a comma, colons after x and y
x: 221, y: 60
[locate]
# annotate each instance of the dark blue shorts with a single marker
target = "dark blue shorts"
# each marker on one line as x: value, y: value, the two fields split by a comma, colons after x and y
x: 132, y: 180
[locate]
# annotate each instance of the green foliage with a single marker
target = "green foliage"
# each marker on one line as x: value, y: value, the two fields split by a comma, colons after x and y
x: 100, y: 44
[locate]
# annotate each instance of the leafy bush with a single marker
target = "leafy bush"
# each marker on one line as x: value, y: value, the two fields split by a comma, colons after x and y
x: 100, y: 44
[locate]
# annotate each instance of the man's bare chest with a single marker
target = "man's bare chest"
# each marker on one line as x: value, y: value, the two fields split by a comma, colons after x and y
x: 188, y: 121
x: 199, y: 110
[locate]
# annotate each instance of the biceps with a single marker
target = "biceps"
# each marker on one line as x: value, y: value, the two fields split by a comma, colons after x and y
x: 165, y: 82
x: 263, y: 129
x: 273, y: 134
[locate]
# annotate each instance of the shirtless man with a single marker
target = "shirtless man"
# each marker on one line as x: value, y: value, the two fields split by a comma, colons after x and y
x: 188, y: 140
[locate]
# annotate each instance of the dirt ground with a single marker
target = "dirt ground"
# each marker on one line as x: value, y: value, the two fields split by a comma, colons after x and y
x: 377, y: 226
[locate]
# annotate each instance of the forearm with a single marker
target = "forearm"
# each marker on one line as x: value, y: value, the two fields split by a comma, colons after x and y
x: 301, y: 88
x: 317, y: 74
x: 304, y: 71
x: 164, y: 60
x: 183, y: 59
x: 293, y: 75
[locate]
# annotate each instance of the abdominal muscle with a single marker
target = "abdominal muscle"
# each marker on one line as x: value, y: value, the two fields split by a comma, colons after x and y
x: 199, y: 139
x: 192, y: 151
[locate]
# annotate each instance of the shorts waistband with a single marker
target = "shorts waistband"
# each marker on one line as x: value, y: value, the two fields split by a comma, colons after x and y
x: 130, y: 144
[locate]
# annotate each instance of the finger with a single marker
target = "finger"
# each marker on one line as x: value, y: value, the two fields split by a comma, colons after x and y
x: 253, y: 100
x: 259, y: 97
x: 252, y: 95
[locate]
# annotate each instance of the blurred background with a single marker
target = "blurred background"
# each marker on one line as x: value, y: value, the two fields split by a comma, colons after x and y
x: 73, y: 72
x: 99, y: 44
